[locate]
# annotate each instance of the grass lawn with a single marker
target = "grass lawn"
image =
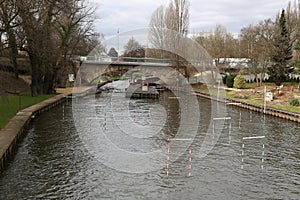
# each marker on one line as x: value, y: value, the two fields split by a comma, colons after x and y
x: 289, y: 108
x: 12, y: 106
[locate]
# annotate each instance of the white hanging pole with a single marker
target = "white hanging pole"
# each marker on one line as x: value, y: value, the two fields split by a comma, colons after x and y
x: 254, y: 137
x: 240, y: 120
x: 168, y: 159
x: 229, y: 132
x: 242, y: 165
x: 265, y: 99
x: 218, y: 90
x: 213, y: 133
x: 262, y: 156
x: 105, y: 118
x: 190, y: 160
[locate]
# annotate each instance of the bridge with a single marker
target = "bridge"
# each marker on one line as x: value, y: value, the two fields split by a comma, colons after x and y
x: 93, y: 67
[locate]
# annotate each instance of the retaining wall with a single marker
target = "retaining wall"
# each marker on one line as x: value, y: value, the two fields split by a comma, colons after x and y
x: 19, y: 124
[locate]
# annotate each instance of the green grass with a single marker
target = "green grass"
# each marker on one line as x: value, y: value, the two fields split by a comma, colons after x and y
x: 289, y: 108
x: 10, y: 108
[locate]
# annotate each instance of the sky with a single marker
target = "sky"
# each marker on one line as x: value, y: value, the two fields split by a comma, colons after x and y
x: 128, y: 15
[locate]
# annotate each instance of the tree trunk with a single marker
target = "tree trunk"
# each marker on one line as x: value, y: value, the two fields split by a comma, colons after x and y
x: 36, y: 75
x: 49, y: 80
x: 256, y: 79
x: 13, y: 51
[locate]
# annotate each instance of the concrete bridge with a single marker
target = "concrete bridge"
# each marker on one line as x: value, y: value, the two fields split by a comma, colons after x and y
x: 91, y: 69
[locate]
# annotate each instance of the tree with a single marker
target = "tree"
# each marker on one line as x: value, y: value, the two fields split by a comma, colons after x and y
x: 112, y: 53
x: 157, y: 29
x: 292, y: 13
x: 219, y: 43
x: 265, y: 31
x: 134, y: 49
x: 282, y: 50
x: 38, y: 16
x: 167, y: 25
x: 177, y: 24
x: 53, y: 31
x: 177, y: 16
x: 9, y: 21
x: 167, y: 28
x: 239, y: 82
x: 256, y: 45
x: 74, y: 29
x: 297, y: 49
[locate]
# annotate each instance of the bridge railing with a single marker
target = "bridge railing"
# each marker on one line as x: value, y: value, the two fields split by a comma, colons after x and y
x: 124, y: 59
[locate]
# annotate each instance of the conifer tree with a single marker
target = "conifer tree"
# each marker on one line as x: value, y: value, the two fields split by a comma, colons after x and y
x: 282, y: 50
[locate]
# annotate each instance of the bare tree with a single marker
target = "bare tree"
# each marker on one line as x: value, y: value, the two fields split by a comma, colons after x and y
x: 157, y: 29
x: 75, y: 32
x: 219, y: 43
x: 134, y: 49
x: 53, y: 32
x: 9, y: 21
x: 256, y: 43
x: 250, y: 48
x: 177, y: 16
x: 177, y: 21
x: 265, y: 31
x: 167, y: 25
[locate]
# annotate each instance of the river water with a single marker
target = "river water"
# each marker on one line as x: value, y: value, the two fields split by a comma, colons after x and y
x: 56, y: 159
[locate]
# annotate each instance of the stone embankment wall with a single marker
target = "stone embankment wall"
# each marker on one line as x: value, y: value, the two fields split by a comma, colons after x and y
x: 19, y: 124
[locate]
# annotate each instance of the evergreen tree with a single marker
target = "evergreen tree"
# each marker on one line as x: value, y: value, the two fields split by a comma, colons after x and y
x: 113, y: 53
x: 282, y: 50
x: 297, y: 48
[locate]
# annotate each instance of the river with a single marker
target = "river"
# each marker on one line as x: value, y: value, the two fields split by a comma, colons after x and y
x: 56, y: 159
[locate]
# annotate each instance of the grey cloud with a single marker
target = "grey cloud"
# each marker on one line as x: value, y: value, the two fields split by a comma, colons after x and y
x: 204, y: 15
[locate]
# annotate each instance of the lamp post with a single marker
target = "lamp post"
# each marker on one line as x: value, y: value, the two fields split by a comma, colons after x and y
x: 118, y: 36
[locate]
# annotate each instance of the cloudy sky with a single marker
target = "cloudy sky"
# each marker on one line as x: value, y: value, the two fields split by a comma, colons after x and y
x: 128, y: 15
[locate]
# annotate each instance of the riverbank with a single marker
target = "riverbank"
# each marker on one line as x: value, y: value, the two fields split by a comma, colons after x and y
x: 15, y: 129
x: 293, y: 116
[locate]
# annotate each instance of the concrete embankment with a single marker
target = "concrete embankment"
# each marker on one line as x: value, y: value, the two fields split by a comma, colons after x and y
x: 257, y: 108
x: 11, y: 133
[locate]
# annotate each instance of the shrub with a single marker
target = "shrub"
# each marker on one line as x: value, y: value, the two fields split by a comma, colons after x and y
x: 294, y: 102
x: 239, y: 82
x: 230, y: 81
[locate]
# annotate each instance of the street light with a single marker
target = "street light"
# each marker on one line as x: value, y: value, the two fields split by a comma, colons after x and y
x: 118, y: 36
